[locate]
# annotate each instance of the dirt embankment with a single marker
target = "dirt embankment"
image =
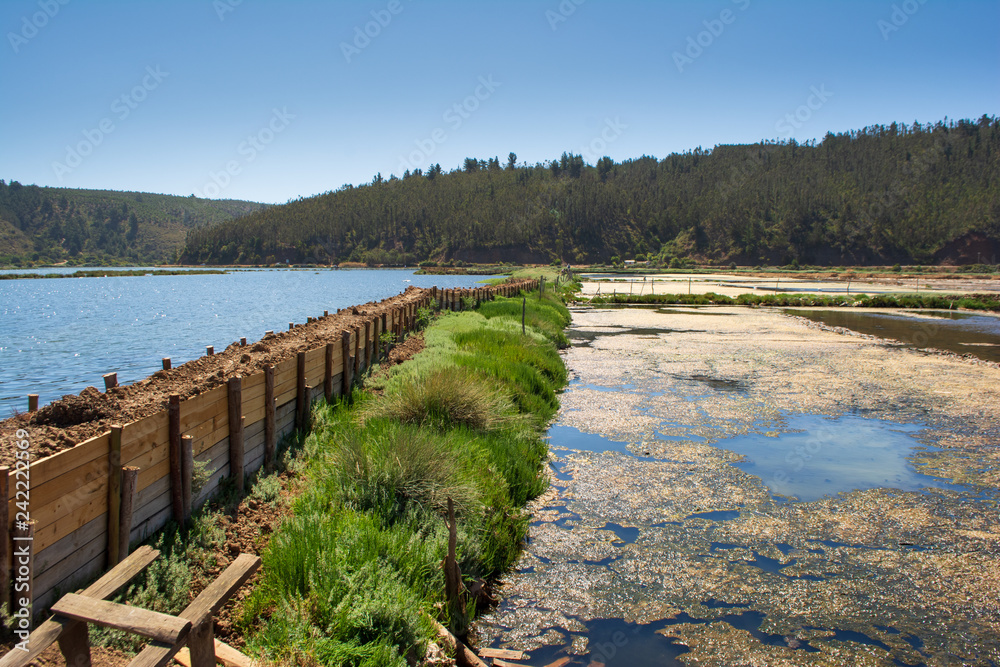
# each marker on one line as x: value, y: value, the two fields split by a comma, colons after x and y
x: 75, y: 418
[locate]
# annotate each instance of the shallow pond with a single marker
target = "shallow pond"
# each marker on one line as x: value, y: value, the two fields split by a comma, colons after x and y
x: 962, y: 333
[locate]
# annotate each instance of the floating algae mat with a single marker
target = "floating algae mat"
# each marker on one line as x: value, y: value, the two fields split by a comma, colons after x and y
x: 746, y: 489
x: 821, y: 456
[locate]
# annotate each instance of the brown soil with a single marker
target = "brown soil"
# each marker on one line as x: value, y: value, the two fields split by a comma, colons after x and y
x: 75, y: 418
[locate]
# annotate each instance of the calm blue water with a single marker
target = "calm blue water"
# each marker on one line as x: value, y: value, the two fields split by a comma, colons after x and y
x: 59, y: 336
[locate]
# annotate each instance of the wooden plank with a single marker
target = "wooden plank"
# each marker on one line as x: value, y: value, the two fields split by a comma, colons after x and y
x: 224, y: 653
x: 151, y: 624
x: 114, y: 493
x: 218, y: 422
x: 109, y: 584
x: 501, y: 653
x: 203, y: 609
x: 67, y: 460
x: 71, y: 512
x: 141, y: 435
x: 64, y: 490
x: 196, y: 404
x: 66, y: 547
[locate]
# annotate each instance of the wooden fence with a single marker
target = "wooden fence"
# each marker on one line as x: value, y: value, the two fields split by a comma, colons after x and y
x: 89, y: 502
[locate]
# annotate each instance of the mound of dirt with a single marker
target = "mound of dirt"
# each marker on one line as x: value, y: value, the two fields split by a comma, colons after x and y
x: 90, y: 405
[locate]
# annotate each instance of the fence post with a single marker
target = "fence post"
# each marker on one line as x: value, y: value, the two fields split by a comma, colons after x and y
x: 236, y: 431
x: 114, y: 494
x: 32, y: 402
x: 176, y: 497
x: 187, y: 473
x: 110, y: 381
x: 328, y: 372
x: 130, y: 489
x: 269, y: 439
x: 345, y: 344
x: 368, y: 343
x: 357, y: 351
x: 301, y: 399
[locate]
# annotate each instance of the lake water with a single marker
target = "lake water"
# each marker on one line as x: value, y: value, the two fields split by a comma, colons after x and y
x: 61, y: 335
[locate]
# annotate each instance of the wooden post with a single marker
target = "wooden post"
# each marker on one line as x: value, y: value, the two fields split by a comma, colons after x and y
x: 328, y: 372
x: 187, y: 473
x: 243, y: 342
x: 368, y: 343
x: 357, y: 351
x: 376, y: 351
x: 301, y: 399
x: 269, y: 417
x: 236, y: 431
x: 291, y: 325
x: 74, y: 643
x: 524, y: 312
x: 209, y: 350
x: 32, y: 402
x: 24, y: 556
x: 5, y: 537
x: 114, y: 494
x: 325, y: 313
x: 176, y: 497
x: 166, y: 363
x: 130, y: 491
x: 345, y: 344
x: 110, y: 381
x: 383, y: 329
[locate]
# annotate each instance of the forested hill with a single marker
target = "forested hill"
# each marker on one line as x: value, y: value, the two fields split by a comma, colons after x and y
x: 883, y: 194
x: 50, y: 225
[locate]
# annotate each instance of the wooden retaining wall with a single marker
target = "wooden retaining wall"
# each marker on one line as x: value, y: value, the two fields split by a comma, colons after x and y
x: 76, y: 493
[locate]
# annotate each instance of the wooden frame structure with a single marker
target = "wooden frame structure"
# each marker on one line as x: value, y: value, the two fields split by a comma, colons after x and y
x: 190, y: 631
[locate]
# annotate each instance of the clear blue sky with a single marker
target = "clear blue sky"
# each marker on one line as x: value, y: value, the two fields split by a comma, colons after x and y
x: 265, y: 87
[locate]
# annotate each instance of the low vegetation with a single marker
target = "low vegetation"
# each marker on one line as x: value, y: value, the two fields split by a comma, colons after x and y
x: 988, y: 302
x: 354, y: 576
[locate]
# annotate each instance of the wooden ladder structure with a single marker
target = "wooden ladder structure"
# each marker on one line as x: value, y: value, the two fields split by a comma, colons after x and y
x: 188, y: 636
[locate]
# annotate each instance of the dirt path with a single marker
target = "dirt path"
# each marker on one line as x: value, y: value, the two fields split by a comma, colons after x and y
x: 75, y: 418
x: 660, y: 544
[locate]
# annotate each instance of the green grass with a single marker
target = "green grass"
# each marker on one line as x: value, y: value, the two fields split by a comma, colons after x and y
x: 348, y: 579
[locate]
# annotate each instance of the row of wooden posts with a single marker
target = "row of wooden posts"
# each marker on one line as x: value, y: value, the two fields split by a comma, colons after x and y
x: 123, y: 480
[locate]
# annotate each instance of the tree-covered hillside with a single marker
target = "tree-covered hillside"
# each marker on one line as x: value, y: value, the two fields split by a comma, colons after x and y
x: 50, y: 225
x: 893, y: 193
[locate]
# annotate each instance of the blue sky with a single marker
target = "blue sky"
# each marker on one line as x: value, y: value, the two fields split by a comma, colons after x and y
x: 268, y: 101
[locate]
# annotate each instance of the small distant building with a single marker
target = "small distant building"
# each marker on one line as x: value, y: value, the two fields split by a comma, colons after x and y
x: 629, y: 262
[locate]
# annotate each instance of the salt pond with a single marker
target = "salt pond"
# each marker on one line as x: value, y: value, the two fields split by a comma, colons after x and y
x: 744, y: 489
